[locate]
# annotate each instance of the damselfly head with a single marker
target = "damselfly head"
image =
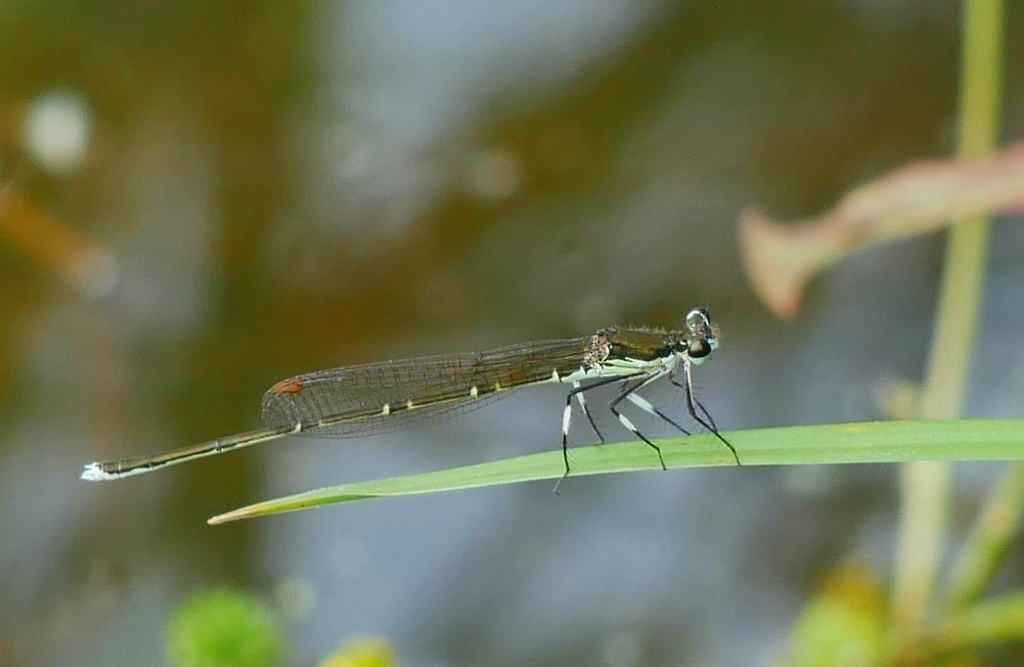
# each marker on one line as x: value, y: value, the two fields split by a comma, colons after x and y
x: 703, y: 338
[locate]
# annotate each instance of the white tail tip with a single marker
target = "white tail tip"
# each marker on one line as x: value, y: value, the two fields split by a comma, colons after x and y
x: 94, y: 473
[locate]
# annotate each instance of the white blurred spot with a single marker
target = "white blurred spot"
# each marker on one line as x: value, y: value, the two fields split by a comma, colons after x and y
x: 57, y: 128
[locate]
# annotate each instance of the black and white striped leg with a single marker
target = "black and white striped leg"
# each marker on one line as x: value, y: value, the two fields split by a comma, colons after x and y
x: 586, y: 410
x: 707, y: 414
x: 636, y: 399
x: 578, y: 390
x: 691, y: 406
x: 699, y: 405
x: 628, y: 391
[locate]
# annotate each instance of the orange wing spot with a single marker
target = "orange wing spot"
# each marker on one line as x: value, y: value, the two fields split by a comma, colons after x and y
x: 289, y: 386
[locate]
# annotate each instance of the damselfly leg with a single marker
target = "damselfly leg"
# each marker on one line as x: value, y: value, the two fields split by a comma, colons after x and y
x: 578, y: 390
x: 691, y: 406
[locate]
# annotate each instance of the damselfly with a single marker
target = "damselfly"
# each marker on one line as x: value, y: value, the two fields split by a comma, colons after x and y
x: 375, y: 398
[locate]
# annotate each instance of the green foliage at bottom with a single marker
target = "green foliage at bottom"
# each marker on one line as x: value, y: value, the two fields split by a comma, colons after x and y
x: 223, y: 628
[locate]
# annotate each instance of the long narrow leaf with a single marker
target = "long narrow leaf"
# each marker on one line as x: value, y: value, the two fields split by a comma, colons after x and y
x: 872, y: 442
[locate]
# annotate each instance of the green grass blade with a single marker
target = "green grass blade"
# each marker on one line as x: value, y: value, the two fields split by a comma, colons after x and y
x: 872, y: 442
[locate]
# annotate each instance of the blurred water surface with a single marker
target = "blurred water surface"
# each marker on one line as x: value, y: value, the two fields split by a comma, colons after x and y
x: 252, y: 190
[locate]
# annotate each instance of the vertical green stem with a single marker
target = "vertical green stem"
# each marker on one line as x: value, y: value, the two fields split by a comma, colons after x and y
x: 926, y: 484
x: 990, y: 538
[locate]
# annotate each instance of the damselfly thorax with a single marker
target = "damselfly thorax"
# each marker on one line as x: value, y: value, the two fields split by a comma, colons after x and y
x: 370, y: 399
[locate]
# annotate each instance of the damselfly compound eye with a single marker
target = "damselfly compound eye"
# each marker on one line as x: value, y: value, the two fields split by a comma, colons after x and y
x: 698, y: 321
x: 698, y: 349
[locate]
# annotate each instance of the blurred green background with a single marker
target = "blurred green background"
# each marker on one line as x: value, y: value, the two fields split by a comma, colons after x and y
x: 225, y: 194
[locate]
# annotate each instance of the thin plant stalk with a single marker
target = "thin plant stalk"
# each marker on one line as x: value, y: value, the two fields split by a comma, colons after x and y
x: 989, y: 539
x: 925, y: 485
